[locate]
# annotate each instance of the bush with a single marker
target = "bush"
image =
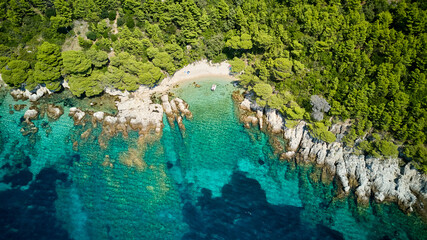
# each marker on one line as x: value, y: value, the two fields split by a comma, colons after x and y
x: 291, y: 123
x: 378, y: 147
x: 50, y: 12
x: 320, y: 131
x: 120, y: 21
x: 86, y: 44
x: 387, y: 148
x: 91, y: 35
x: 112, y: 15
x: 263, y: 90
x: 104, y: 14
x: 293, y: 111
x: 417, y: 154
x: 237, y: 65
x: 130, y: 23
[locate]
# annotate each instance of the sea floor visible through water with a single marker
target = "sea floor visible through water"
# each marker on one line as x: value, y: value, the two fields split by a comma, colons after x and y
x: 215, y: 180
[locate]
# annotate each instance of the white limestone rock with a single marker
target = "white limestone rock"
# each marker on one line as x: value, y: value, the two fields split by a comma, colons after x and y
x: 99, y: 116
x: 259, y: 115
x: 275, y: 121
x: 31, y: 114
x: 382, y: 174
x: 173, y: 106
x: 334, y: 155
x: 294, y: 136
x: 321, y: 154
x: 342, y: 175
x: 54, y: 112
x: 110, y: 120
x: 410, y: 182
x: 166, y: 105
x: 305, y: 147
x: 245, y: 105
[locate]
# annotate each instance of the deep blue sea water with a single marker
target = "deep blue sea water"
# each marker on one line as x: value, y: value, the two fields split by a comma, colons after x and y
x: 215, y: 180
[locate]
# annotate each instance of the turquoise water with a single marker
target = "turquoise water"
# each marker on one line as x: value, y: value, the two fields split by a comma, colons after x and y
x: 215, y: 180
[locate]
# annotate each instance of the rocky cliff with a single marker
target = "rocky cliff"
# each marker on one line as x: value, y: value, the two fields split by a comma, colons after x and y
x: 388, y: 179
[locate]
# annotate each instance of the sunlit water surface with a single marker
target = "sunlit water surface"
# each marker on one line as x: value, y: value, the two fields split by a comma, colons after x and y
x: 215, y: 180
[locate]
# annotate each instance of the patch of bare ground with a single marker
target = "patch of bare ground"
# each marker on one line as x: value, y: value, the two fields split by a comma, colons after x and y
x: 81, y: 27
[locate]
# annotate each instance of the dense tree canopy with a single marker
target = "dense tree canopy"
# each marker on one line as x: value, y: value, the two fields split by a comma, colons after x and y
x: 367, y: 59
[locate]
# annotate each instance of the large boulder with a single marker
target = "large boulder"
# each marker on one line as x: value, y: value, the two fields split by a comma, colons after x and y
x: 77, y: 115
x: 54, y: 112
x: 31, y: 114
x: 245, y: 105
x: 98, y: 116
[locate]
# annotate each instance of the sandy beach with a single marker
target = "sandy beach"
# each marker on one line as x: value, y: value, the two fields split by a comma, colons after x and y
x: 138, y: 104
x: 192, y: 72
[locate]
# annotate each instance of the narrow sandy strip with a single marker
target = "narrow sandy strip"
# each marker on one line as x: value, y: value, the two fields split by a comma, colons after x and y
x: 194, y: 71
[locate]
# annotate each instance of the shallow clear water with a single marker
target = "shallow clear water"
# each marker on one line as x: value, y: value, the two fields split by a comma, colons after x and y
x: 215, y: 180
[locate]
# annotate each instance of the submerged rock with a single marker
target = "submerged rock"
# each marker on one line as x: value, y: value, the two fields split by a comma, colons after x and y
x: 31, y: 114
x: 54, y: 112
x: 19, y: 107
x: 77, y: 115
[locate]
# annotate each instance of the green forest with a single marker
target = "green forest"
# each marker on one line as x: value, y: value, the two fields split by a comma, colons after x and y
x: 323, y: 61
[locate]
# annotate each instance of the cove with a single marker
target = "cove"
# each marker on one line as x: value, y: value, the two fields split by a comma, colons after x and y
x: 215, y: 180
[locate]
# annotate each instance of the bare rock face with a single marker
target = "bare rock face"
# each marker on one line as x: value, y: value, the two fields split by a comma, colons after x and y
x: 183, y: 108
x: 259, y: 115
x: 411, y: 185
x: 275, y: 121
x: 382, y: 174
x: 342, y: 175
x: 294, y: 136
x: 32, y: 96
x: 167, y: 108
x: 31, y: 114
x: 54, y: 112
x: 19, y: 107
x: 99, y: 116
x: 245, y: 105
x: 305, y: 147
x: 77, y: 115
x: 334, y: 155
x: 249, y: 121
x: 166, y: 105
x: 175, y: 110
x: 384, y: 179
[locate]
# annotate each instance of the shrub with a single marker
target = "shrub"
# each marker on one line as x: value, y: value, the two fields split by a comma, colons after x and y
x: 378, y: 147
x: 86, y: 44
x: 104, y: 14
x: 130, y: 23
x: 91, y: 35
x: 112, y: 15
x: 418, y: 154
x: 263, y: 90
x: 120, y: 21
x: 320, y: 131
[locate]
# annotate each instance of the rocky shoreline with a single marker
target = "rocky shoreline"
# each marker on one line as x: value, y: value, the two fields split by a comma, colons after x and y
x: 389, y: 179
x: 367, y: 177
x: 136, y: 112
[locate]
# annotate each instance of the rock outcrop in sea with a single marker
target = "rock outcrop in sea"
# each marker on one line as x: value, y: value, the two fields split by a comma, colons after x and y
x: 385, y: 179
x: 32, y: 96
x: 137, y: 112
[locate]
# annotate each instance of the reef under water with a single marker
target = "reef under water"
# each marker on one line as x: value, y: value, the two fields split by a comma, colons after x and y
x: 215, y: 180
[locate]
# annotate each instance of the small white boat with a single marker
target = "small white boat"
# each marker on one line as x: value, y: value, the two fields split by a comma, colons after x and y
x: 213, y: 87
